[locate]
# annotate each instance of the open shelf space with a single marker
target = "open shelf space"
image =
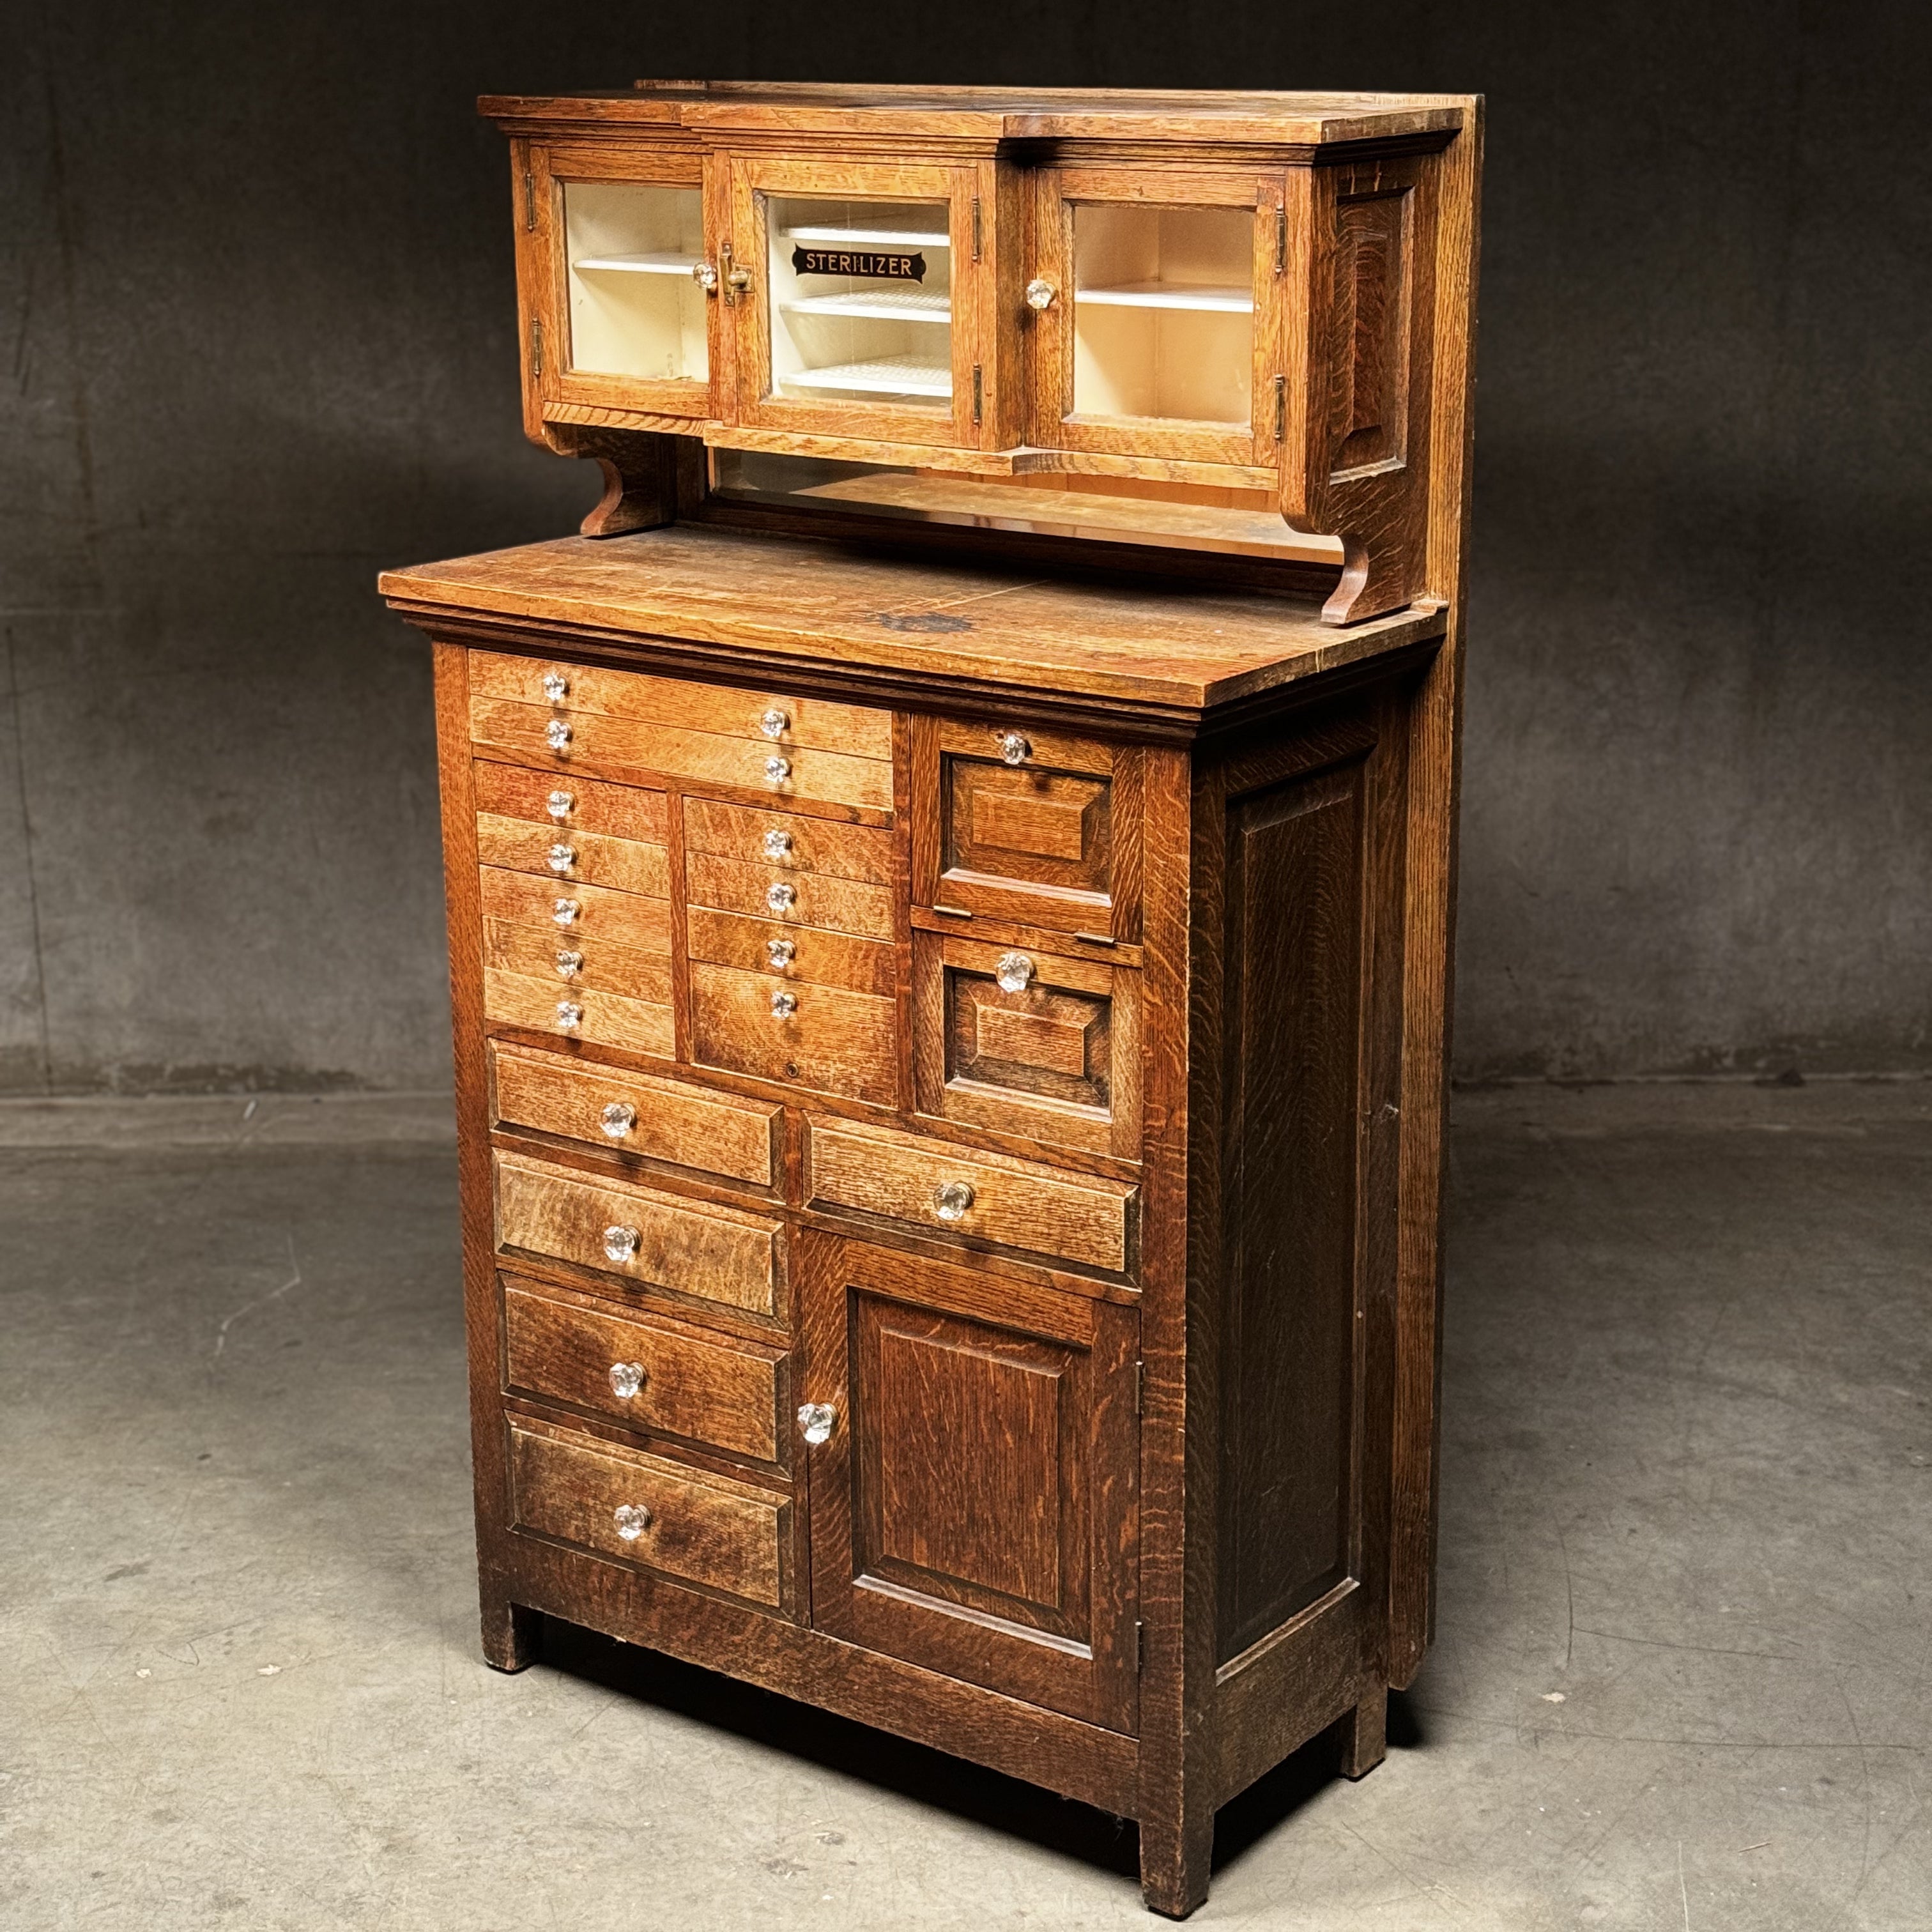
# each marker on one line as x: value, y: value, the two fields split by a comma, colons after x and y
x: 884, y: 376
x: 883, y: 307
x: 1170, y: 294
x: 640, y: 265
x: 861, y: 236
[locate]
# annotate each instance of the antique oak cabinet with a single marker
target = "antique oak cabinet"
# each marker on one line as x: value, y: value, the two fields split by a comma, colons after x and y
x: 950, y: 884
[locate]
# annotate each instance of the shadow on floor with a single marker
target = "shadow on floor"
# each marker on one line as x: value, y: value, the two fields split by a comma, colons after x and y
x: 929, y: 1777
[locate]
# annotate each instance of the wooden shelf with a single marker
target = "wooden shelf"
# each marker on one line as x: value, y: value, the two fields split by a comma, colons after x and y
x: 639, y: 265
x: 883, y: 308
x: 885, y: 376
x: 1169, y: 294
x: 873, y: 237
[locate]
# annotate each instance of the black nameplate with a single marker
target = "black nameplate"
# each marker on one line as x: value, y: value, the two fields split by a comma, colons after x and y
x: 877, y: 264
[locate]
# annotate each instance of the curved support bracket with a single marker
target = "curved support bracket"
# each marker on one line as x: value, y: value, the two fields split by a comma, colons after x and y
x: 640, y: 471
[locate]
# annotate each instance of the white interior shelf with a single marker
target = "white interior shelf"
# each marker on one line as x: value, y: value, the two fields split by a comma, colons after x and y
x: 640, y: 265
x: 871, y: 237
x: 1169, y: 294
x: 884, y: 376
x: 884, y: 306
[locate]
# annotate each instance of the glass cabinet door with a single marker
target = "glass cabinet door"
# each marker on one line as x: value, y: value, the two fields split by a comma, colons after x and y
x: 853, y: 293
x: 1157, y: 306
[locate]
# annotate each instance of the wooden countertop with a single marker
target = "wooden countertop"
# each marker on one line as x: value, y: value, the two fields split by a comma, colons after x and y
x: 911, y: 631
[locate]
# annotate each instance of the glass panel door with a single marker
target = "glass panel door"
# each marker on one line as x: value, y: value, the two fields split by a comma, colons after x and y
x: 635, y: 306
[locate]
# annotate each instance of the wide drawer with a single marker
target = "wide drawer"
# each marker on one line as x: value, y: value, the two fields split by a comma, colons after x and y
x: 578, y: 910
x: 798, y: 898
x: 663, y: 1378
x: 554, y: 852
x: 818, y: 958
x: 859, y: 730
x: 766, y: 838
x: 832, y: 1041
x: 579, y: 1013
x: 941, y: 1188
x: 643, y: 1509
x: 576, y: 804
x: 710, y: 1253
x: 543, y: 953
x: 662, y: 1119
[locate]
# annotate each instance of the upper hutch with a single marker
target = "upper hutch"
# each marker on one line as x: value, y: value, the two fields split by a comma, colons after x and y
x: 951, y: 883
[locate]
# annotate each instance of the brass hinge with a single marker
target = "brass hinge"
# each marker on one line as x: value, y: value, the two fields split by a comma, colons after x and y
x: 529, y: 203
x: 536, y: 349
x: 1140, y: 1646
x: 1097, y: 938
x: 951, y: 912
x: 978, y: 231
x: 1280, y: 407
x: 1140, y: 1378
x: 1281, y: 238
x: 978, y: 392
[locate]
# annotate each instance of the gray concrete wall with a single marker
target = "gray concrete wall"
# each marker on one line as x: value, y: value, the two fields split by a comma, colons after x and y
x: 256, y: 283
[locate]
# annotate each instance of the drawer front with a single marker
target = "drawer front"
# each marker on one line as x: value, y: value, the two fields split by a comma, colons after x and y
x: 756, y: 838
x: 835, y: 1042
x: 575, y: 1013
x: 714, y: 1133
x: 732, y: 713
x: 575, y: 805
x: 624, y: 864
x: 578, y: 912
x: 703, y: 1528
x: 543, y: 953
x: 791, y: 952
x: 1076, y: 1218
x: 799, y: 899
x: 716, y: 1254
x: 523, y: 731
x: 669, y: 1380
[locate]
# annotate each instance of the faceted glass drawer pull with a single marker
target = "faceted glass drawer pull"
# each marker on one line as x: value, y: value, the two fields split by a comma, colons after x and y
x: 777, y: 770
x: 559, y: 804
x: 617, y: 1120
x: 817, y: 1420
x: 951, y: 1200
x: 1013, y: 971
x: 626, y: 1378
x: 784, y: 1005
x: 780, y: 896
x: 568, y: 964
x: 774, y: 724
x: 569, y: 1015
x: 778, y: 844
x: 556, y: 734
x: 562, y: 857
x: 1014, y: 749
x: 556, y: 686
x: 621, y: 1244
x: 1039, y: 294
x: 566, y: 911
x: 632, y: 1519
x: 780, y: 952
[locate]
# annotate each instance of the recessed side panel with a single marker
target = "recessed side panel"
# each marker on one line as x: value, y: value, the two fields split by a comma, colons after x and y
x: 1294, y: 883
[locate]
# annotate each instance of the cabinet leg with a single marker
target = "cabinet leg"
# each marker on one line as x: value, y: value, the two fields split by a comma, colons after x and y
x: 1364, y: 1734
x: 512, y: 1635
x: 1175, y: 1855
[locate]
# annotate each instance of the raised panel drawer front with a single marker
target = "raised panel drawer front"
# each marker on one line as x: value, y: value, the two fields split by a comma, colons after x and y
x: 941, y: 1188
x: 711, y: 1253
x: 660, y: 1515
x: 661, y: 1119
x: 820, y: 1037
x: 657, y: 1377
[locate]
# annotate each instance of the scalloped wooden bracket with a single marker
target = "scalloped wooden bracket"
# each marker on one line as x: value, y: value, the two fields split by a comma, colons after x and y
x: 639, y: 469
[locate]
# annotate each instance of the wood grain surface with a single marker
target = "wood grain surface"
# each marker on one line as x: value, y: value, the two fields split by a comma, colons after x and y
x: 835, y: 1042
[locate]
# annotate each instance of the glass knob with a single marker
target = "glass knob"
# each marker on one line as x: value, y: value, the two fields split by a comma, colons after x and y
x: 778, y: 844
x: 1014, y: 749
x: 556, y: 686
x: 568, y: 964
x: 556, y: 734
x: 705, y: 276
x: 1039, y: 293
x: 566, y: 911
x: 569, y: 1015
x: 951, y: 1199
x: 622, y: 1244
x: 781, y: 895
x: 777, y: 770
x: 784, y: 1005
x: 559, y: 804
x: 817, y: 1420
x: 561, y: 858
x: 774, y: 724
x: 780, y: 952
x: 626, y: 1378
x: 617, y: 1120
x: 632, y: 1519
x: 1013, y: 971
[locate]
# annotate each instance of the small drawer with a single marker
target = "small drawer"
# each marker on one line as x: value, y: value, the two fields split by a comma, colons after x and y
x: 553, y: 852
x: 822, y: 1037
x: 662, y: 1119
x: 712, y: 1253
x: 941, y: 1189
x: 646, y: 1510
x: 772, y: 717
x: 597, y: 965
x: 798, y: 898
x: 556, y: 740
x: 579, y: 805
x: 576, y: 912
x: 660, y: 1378
x: 791, y: 952
x: 573, y: 1012
x: 756, y: 838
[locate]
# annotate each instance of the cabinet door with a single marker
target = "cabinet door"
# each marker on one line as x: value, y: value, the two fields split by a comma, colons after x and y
x: 856, y: 291
x: 626, y: 321
x: 1161, y: 331
x: 972, y: 1507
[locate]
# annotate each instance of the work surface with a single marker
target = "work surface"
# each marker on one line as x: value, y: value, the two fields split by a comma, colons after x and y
x: 1148, y: 644
x: 1679, y: 1678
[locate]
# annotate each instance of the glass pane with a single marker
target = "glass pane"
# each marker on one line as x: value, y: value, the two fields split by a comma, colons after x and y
x: 1163, y: 313
x: 634, y: 308
x: 862, y: 302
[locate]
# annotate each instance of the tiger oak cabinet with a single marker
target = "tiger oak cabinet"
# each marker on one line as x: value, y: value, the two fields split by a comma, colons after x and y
x: 950, y: 1015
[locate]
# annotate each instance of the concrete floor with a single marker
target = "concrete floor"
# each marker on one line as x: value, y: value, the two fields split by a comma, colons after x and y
x: 1682, y: 1678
